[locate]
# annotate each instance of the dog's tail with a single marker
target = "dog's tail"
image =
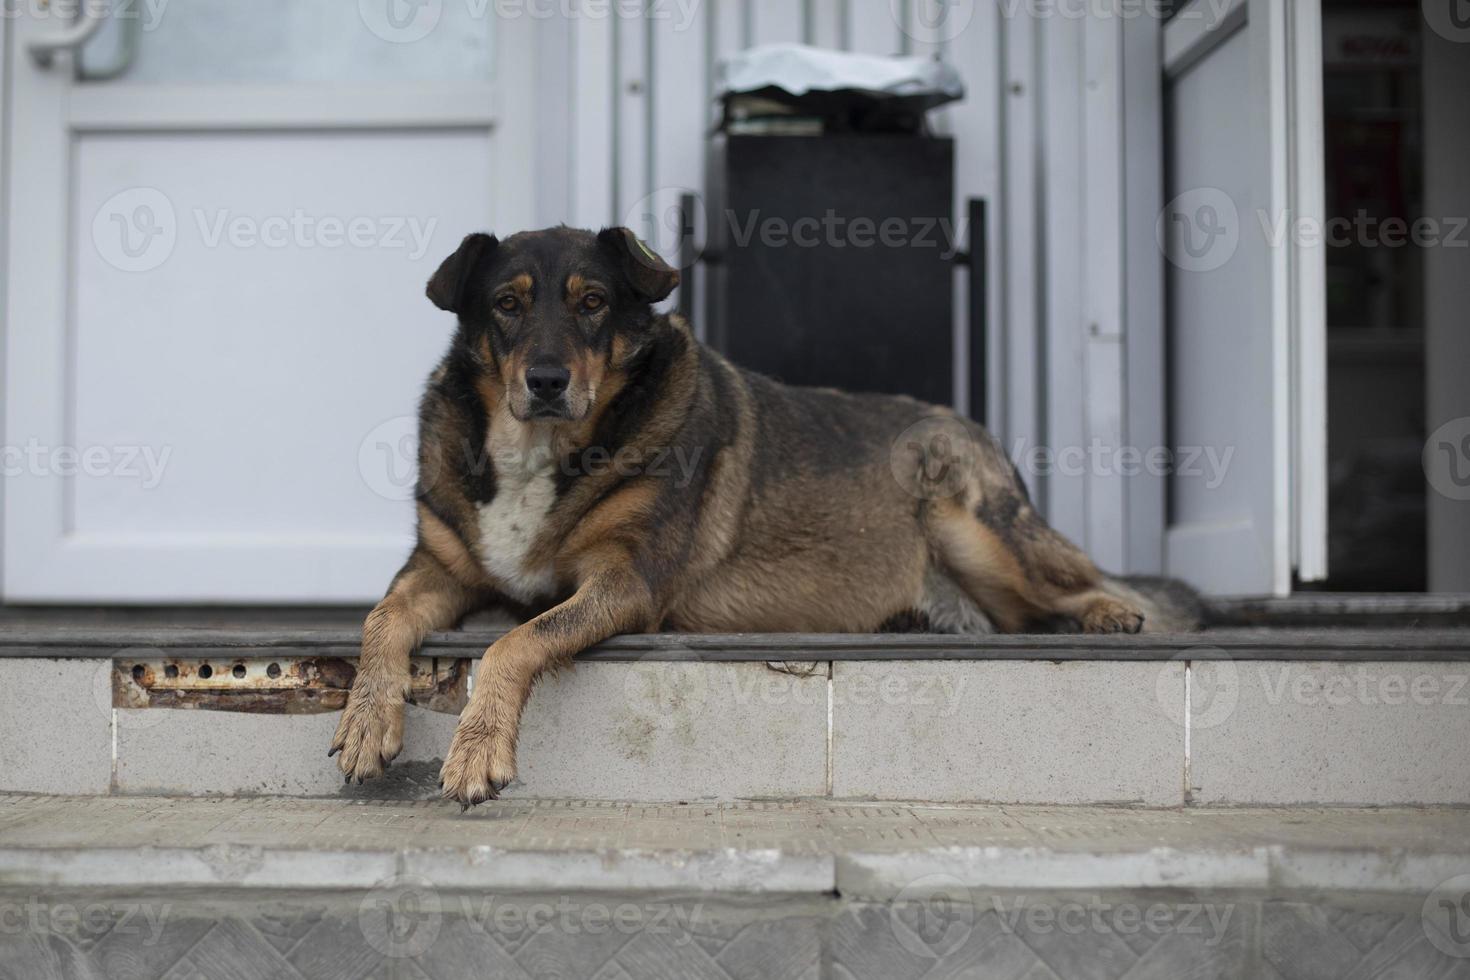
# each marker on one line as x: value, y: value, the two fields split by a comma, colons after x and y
x: 1169, y: 605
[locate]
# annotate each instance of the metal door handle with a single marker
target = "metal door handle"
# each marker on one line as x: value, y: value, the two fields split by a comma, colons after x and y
x: 90, y: 14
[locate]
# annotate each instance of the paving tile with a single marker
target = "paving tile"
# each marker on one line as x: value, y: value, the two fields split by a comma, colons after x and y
x: 55, y: 726
x: 1331, y: 733
x: 1007, y: 732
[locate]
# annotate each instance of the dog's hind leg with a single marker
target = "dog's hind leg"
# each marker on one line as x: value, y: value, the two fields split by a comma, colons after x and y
x: 423, y: 597
x: 1020, y: 571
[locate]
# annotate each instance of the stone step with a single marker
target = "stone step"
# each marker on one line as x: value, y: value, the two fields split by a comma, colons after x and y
x: 1229, y: 716
x: 150, y: 887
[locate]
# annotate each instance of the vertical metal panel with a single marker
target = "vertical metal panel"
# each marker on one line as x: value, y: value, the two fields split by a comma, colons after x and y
x: 727, y: 25
x: 974, y: 49
x: 631, y: 101
x: 1021, y: 243
x: 593, y: 93
x: 1064, y: 323
x: 680, y: 119
x: 872, y: 28
x: 1104, y: 331
x: 777, y: 20
x: 1143, y: 297
x: 826, y: 21
x: 1309, y: 280
x: 554, y: 40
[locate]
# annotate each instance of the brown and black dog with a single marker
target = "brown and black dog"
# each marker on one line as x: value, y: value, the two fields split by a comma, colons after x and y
x: 587, y: 465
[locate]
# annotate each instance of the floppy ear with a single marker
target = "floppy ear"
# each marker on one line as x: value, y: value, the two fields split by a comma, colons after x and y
x: 447, y: 286
x: 651, y: 277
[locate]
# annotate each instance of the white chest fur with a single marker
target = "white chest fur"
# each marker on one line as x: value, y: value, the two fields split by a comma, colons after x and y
x: 525, y: 490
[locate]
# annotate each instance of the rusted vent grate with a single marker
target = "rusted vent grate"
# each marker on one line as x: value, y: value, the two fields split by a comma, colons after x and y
x: 286, y: 686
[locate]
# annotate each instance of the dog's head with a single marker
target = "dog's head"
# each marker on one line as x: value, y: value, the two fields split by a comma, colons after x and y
x: 553, y: 312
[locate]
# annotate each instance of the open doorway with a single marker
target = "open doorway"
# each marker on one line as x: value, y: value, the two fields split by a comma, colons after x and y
x: 1376, y: 350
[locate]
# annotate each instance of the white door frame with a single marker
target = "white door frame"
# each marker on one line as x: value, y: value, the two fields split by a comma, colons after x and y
x: 1287, y: 49
x: 44, y: 112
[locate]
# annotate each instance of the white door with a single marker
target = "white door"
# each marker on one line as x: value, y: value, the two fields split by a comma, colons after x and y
x: 215, y: 326
x: 1245, y: 294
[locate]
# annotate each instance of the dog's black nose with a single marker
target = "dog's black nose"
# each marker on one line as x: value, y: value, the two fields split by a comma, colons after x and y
x: 547, y: 383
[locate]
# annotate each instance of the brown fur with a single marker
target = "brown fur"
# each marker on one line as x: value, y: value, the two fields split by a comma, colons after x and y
x: 677, y: 492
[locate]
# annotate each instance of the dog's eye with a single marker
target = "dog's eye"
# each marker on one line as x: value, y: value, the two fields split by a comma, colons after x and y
x: 593, y: 302
x: 508, y: 304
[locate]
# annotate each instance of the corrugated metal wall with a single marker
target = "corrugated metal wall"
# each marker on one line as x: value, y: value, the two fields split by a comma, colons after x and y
x: 627, y: 103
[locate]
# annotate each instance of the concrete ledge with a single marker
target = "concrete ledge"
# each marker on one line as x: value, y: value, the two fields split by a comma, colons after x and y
x: 877, y: 852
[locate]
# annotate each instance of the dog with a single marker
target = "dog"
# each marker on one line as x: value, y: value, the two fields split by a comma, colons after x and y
x: 588, y: 466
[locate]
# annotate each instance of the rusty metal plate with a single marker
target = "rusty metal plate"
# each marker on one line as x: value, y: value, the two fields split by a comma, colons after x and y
x: 280, y: 686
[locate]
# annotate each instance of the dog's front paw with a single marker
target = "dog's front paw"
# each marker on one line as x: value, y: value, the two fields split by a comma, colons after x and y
x: 1111, y: 616
x: 369, y: 734
x: 481, y: 762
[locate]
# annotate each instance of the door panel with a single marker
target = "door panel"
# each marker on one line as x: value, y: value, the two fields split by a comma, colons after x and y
x: 282, y: 335
x: 216, y: 329
x: 1242, y: 314
x: 1219, y: 340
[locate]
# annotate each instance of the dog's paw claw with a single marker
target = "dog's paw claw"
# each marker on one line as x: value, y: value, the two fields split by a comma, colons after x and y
x: 369, y: 736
